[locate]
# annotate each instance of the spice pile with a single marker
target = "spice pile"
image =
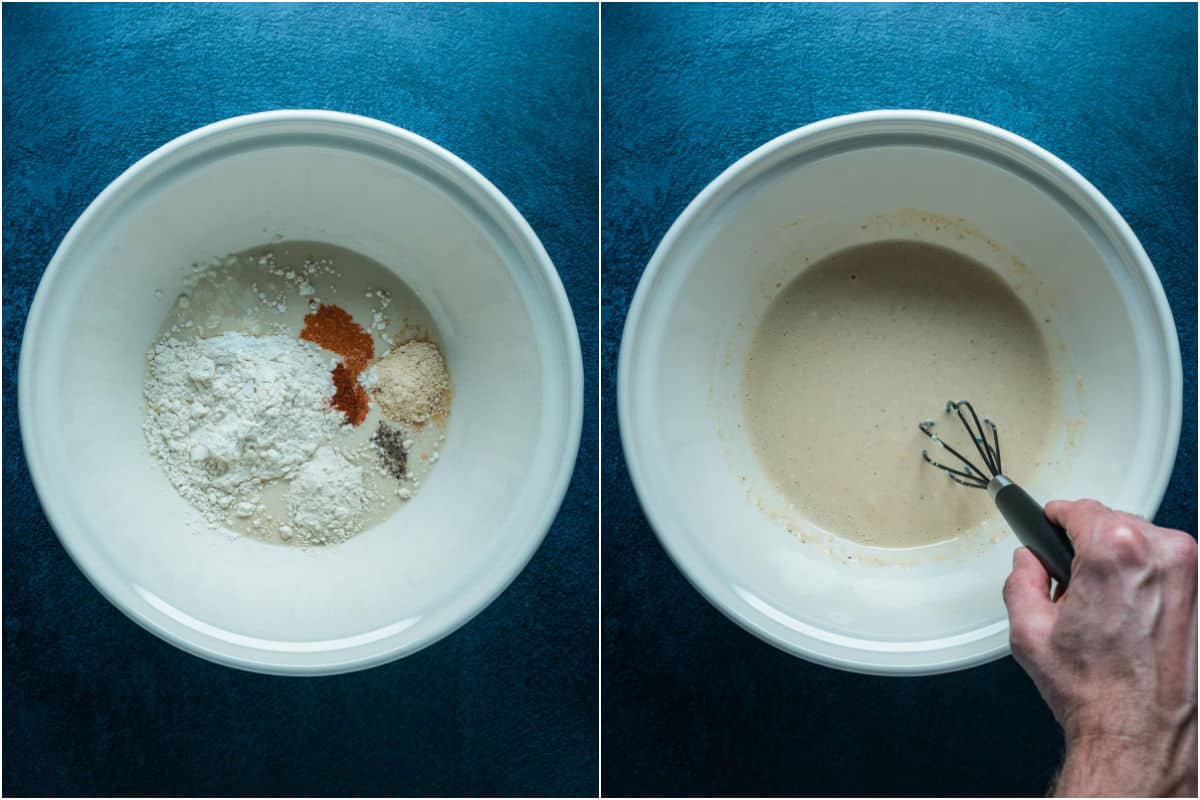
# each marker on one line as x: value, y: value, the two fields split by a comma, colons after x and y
x: 258, y: 426
x: 334, y: 329
x: 411, y: 384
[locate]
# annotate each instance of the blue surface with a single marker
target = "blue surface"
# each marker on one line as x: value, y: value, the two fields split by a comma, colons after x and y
x: 93, y: 704
x: 692, y: 704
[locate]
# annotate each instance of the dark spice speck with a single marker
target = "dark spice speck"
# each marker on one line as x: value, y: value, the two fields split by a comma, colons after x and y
x: 389, y: 443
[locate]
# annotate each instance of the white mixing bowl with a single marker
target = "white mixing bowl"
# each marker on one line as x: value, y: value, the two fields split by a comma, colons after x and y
x: 842, y: 182
x: 509, y: 339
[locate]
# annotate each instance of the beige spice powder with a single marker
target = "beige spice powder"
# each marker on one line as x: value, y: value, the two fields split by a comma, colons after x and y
x: 411, y: 384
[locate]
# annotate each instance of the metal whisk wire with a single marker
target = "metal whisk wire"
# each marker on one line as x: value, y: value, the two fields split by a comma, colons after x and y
x: 1025, y: 515
x: 972, y: 475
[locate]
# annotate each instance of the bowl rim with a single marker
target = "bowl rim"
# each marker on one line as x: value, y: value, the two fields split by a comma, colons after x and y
x: 185, y: 633
x: 954, y: 654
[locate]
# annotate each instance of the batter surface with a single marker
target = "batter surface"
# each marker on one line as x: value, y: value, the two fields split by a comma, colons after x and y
x: 862, y: 346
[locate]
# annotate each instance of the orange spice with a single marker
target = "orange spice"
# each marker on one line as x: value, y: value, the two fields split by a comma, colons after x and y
x: 349, y: 397
x: 333, y: 329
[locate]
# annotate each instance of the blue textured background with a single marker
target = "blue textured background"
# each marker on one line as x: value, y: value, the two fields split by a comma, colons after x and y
x: 692, y: 703
x: 95, y: 705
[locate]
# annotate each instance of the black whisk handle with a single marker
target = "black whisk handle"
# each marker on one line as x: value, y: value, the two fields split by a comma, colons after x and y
x: 1027, y: 519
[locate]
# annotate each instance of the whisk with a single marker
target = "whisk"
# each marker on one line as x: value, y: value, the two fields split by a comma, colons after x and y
x: 1024, y: 515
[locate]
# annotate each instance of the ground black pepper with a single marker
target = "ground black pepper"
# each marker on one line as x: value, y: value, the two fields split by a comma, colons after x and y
x: 389, y: 443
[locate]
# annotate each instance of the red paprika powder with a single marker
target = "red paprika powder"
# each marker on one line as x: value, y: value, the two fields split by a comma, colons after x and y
x: 334, y: 329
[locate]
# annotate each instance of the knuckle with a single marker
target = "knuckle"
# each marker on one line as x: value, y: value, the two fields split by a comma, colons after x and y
x: 1127, y: 541
x: 1022, y: 638
x: 1189, y: 550
x: 1120, y: 544
x: 1088, y: 504
x: 1181, y: 551
x: 1009, y: 590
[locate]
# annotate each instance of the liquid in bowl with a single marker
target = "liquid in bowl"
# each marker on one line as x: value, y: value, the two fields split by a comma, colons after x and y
x: 860, y: 347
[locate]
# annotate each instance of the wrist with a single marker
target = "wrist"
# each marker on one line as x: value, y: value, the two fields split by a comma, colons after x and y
x: 1099, y: 763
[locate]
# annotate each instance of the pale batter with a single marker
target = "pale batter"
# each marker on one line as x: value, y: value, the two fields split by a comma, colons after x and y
x: 865, y: 344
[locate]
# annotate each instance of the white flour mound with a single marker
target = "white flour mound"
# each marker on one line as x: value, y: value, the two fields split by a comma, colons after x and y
x: 326, y: 502
x: 228, y: 413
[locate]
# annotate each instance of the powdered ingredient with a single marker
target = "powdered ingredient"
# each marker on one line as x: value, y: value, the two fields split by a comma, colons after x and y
x: 411, y: 384
x: 389, y: 442
x: 334, y: 329
x: 228, y: 413
x: 253, y: 485
x: 327, y: 501
x: 348, y: 396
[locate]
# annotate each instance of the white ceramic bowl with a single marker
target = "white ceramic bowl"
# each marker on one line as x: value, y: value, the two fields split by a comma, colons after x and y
x: 509, y: 338
x: 830, y: 185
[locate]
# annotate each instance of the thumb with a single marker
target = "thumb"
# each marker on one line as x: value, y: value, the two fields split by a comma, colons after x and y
x: 1031, y: 612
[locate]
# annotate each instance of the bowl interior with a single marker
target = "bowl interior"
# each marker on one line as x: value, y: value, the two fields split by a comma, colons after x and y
x: 501, y: 318
x: 880, y: 610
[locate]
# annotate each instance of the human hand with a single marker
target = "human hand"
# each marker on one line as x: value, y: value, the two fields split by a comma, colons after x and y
x: 1114, y: 656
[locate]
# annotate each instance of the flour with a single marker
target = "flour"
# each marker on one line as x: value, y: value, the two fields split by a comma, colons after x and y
x: 239, y: 408
x: 229, y: 413
x: 327, y: 501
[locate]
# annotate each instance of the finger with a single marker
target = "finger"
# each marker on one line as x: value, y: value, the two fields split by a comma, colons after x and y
x: 1027, y: 590
x: 1077, y: 517
x: 1031, y: 612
